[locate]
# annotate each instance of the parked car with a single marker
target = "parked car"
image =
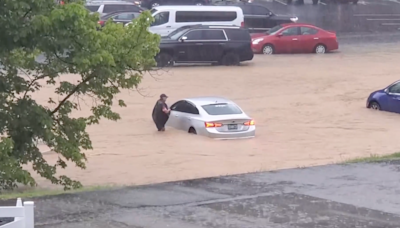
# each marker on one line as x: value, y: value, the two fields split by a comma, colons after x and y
x: 149, y: 4
x: 106, y: 7
x: 122, y: 17
x: 315, y: 2
x: 387, y: 99
x: 169, y: 18
x: 295, y: 38
x: 214, y: 117
x: 258, y: 18
x: 226, y: 45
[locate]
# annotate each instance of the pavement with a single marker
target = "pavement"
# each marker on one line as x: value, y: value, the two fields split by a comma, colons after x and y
x: 333, y: 196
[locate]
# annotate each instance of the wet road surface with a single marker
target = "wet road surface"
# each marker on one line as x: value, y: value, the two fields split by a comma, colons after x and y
x: 334, y: 196
x: 372, y: 16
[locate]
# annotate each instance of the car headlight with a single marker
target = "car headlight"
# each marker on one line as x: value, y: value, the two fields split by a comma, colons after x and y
x: 137, y: 2
x: 256, y: 41
x: 294, y: 19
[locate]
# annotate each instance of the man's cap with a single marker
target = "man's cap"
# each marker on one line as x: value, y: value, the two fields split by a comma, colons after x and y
x: 163, y: 95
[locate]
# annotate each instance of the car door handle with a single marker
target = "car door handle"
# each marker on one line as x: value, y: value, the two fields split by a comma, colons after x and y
x: 316, y: 38
x: 168, y: 27
x: 199, y: 44
x: 176, y: 115
x: 294, y: 39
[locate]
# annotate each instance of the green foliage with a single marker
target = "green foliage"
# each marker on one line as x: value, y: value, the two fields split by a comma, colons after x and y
x: 68, y: 40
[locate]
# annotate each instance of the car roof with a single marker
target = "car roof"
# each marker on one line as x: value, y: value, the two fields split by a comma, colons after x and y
x: 200, y: 101
x: 299, y: 24
x: 195, y: 8
x: 109, y: 2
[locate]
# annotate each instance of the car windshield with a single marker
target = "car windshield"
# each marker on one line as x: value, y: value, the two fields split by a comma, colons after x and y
x: 222, y: 109
x: 174, y: 35
x: 152, y: 11
x: 274, y: 30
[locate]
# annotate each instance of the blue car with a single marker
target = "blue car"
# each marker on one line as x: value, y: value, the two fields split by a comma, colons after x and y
x: 387, y: 99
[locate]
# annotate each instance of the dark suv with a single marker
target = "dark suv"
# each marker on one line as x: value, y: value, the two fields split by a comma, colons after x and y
x: 258, y: 18
x: 226, y: 45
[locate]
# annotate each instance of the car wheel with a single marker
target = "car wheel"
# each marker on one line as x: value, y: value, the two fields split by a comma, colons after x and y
x: 155, y: 4
x: 289, y: 2
x: 320, y: 49
x: 355, y: 2
x: 199, y: 3
x: 164, y: 60
x: 374, y: 105
x: 230, y: 59
x: 192, y: 131
x: 268, y: 49
x: 315, y: 2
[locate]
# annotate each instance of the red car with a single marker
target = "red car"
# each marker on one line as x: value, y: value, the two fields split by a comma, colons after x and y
x: 294, y: 38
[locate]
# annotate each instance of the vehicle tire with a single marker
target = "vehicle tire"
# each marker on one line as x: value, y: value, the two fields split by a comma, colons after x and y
x: 192, y: 131
x: 320, y: 49
x: 315, y: 2
x: 289, y: 2
x: 300, y: 2
x: 230, y: 59
x: 164, y: 60
x: 268, y: 49
x: 374, y: 105
x: 355, y: 2
x: 155, y: 4
x: 198, y: 3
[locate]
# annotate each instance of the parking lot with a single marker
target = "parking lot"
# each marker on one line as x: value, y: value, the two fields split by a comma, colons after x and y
x: 309, y: 110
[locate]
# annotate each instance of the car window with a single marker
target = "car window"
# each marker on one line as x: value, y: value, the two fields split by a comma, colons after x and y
x: 394, y: 88
x: 109, y: 8
x: 194, y: 35
x: 184, y: 106
x: 293, y: 31
x: 124, y: 16
x: 238, y: 34
x: 259, y: 10
x: 275, y: 29
x: 161, y: 18
x: 214, y: 35
x: 92, y: 8
x: 204, y: 16
x: 222, y: 109
x: 246, y: 9
x: 308, y: 31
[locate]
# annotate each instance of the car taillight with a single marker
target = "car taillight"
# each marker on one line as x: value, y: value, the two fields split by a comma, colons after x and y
x: 242, y: 24
x: 101, y: 23
x: 249, y: 123
x: 62, y: 2
x: 208, y: 125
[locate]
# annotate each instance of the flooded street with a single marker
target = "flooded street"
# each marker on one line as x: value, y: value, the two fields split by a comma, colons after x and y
x: 309, y: 110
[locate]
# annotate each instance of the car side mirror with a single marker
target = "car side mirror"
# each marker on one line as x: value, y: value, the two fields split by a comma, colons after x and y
x: 183, y: 38
x: 269, y: 14
x: 279, y: 35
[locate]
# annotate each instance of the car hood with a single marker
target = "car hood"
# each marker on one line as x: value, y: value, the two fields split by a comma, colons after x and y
x: 257, y: 35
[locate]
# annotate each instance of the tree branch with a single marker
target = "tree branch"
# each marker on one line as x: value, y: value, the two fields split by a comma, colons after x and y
x: 70, y: 94
x: 31, y: 83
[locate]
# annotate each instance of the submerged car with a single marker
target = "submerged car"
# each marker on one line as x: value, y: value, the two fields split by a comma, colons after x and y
x: 214, y: 117
x: 387, y: 99
x: 294, y: 38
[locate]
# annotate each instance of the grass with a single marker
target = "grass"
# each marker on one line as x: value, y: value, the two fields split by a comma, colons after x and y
x: 375, y: 158
x: 37, y: 192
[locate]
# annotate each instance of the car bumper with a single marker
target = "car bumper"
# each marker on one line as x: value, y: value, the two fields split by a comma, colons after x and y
x: 250, y: 133
x: 257, y: 48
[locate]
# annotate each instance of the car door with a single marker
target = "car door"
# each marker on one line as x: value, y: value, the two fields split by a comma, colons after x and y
x: 124, y: 18
x: 190, y: 49
x: 263, y: 15
x: 161, y: 23
x: 174, y: 116
x: 288, y: 41
x: 393, y: 103
x: 182, y: 114
x: 214, y: 43
x: 308, y: 39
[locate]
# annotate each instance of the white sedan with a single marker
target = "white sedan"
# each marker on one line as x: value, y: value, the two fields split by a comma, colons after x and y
x: 214, y: 117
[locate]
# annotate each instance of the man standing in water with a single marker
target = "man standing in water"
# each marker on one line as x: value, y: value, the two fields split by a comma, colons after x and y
x: 161, y: 113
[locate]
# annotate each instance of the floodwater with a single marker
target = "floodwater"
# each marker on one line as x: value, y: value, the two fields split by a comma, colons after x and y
x: 309, y: 110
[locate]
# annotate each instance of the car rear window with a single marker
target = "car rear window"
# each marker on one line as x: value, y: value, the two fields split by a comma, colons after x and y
x: 92, y: 8
x: 238, y: 34
x: 222, y: 109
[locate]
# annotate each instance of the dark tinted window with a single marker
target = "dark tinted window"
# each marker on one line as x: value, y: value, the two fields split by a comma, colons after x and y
x: 293, y: 31
x: 275, y: 29
x: 108, y: 8
x: 259, y: 10
x: 161, y: 18
x: 201, y: 16
x: 194, y: 35
x: 92, y: 8
x: 246, y: 9
x: 395, y: 88
x: 184, y: 106
x: 213, y: 35
x: 124, y: 16
x: 222, y: 109
x: 238, y: 34
x: 308, y: 31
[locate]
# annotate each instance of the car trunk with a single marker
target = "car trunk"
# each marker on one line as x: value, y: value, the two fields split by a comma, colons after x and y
x: 231, y: 123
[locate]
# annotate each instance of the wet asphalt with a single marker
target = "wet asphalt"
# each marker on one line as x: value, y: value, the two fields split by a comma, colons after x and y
x: 334, y: 196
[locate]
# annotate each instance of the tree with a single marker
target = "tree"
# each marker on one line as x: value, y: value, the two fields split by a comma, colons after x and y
x: 42, y: 41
